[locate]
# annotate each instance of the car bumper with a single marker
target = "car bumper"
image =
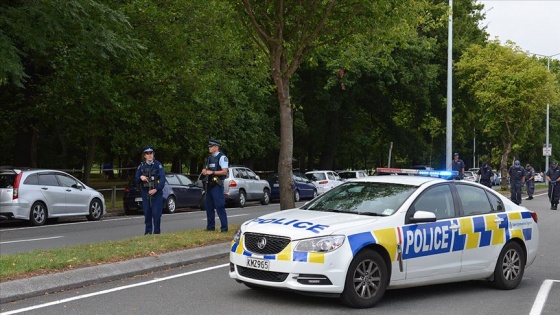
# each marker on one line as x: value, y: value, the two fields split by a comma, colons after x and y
x: 18, y: 210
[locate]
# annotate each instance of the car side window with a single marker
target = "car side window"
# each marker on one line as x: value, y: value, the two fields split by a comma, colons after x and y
x: 497, y: 204
x: 331, y: 176
x: 48, y: 180
x: 32, y: 179
x: 243, y: 173
x: 251, y: 174
x: 437, y: 200
x: 473, y: 200
x: 235, y: 173
x: 67, y: 181
x: 185, y: 180
x: 172, y: 179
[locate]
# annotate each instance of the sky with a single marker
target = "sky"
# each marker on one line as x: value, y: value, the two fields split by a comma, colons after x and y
x: 534, y: 25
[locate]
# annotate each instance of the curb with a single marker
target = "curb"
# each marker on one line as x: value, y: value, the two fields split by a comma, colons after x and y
x: 25, y: 288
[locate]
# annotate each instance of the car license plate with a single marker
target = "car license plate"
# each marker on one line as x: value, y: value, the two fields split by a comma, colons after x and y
x: 275, y: 185
x: 138, y: 199
x: 260, y: 264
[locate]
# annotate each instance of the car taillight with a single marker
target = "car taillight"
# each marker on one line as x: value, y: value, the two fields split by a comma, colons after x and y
x: 324, y: 182
x: 232, y: 183
x: 15, y: 195
x: 535, y: 217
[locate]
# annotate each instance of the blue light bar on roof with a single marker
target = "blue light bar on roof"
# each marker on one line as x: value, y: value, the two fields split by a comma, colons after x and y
x: 430, y: 173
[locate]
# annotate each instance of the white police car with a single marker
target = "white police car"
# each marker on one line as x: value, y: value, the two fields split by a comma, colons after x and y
x: 374, y: 233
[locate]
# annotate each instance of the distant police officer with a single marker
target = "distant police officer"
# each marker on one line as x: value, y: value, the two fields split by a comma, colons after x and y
x: 150, y: 176
x: 530, y: 181
x: 517, y: 180
x: 486, y: 175
x: 553, y: 177
x: 458, y: 165
x: 215, y: 171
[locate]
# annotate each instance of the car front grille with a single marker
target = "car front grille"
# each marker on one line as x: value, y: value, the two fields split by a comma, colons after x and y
x: 265, y: 244
x: 262, y: 275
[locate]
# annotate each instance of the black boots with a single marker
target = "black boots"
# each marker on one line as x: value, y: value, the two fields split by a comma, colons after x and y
x: 530, y: 198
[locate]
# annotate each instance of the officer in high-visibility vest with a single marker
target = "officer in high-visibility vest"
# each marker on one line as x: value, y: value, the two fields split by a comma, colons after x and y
x: 216, y: 171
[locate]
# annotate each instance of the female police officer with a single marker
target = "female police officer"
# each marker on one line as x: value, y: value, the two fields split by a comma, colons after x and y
x: 216, y: 171
x: 150, y: 176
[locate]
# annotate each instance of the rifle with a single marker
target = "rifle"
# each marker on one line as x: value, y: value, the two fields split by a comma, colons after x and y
x: 150, y: 185
x: 205, y: 179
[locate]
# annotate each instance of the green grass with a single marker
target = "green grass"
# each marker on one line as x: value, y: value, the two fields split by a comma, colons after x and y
x: 22, y: 265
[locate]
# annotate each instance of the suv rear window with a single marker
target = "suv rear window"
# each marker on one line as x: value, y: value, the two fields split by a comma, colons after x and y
x: 7, y: 180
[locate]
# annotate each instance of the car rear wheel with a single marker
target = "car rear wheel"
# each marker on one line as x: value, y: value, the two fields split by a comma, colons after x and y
x: 366, y: 280
x: 170, y: 205
x: 38, y: 214
x: 266, y: 197
x: 241, y: 199
x: 510, y: 267
x: 95, y: 210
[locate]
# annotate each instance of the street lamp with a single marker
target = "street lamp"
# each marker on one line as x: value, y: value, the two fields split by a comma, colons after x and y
x: 547, y: 111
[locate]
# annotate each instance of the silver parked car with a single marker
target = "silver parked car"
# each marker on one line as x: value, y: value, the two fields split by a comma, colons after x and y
x: 242, y: 185
x: 324, y: 180
x: 347, y: 175
x: 37, y: 195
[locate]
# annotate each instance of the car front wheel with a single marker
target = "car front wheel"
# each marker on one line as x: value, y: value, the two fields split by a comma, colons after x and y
x: 510, y: 267
x: 170, y: 205
x: 95, y: 210
x: 38, y: 214
x: 366, y: 280
x: 296, y: 196
x: 266, y: 197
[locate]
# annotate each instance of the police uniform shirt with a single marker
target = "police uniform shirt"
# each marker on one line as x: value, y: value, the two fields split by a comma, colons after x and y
x: 516, y: 173
x: 553, y: 173
x: 485, y: 173
x: 530, y: 174
x: 458, y: 165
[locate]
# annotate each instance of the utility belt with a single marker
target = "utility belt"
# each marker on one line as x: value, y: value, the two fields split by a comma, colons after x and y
x: 215, y: 181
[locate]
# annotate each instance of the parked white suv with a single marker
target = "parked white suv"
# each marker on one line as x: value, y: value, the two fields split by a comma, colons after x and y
x: 324, y: 180
x: 37, y: 195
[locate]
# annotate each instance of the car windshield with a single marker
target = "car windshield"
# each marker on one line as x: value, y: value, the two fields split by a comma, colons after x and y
x: 365, y: 198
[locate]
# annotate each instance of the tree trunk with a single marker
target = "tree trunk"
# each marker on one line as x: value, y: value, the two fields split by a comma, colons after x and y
x: 286, y: 142
x: 503, y: 166
x: 90, y: 153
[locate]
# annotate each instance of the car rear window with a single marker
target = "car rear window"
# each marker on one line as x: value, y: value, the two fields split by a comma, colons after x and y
x: 7, y: 180
x: 347, y: 175
x: 316, y: 176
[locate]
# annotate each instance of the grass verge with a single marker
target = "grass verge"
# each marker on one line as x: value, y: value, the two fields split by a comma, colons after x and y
x: 38, y: 262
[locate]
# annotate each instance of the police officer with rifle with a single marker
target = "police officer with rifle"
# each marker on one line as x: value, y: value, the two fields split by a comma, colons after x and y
x: 150, y: 177
x: 215, y: 172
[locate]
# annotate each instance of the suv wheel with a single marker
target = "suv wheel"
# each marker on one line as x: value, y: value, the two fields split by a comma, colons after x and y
x: 95, y: 210
x: 170, y: 205
x: 38, y: 213
x: 241, y: 199
x: 266, y: 197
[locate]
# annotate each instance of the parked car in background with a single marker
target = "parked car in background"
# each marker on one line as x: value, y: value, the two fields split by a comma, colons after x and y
x: 475, y: 172
x: 324, y: 180
x: 470, y: 176
x: 497, y: 177
x: 347, y: 175
x: 37, y: 195
x: 538, y: 178
x: 179, y: 192
x: 242, y: 185
x: 303, y: 187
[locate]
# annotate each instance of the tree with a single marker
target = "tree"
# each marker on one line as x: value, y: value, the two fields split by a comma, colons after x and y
x: 510, y: 90
x: 286, y: 30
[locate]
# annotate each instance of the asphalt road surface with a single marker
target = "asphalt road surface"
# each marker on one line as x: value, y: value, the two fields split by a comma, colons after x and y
x: 205, y: 288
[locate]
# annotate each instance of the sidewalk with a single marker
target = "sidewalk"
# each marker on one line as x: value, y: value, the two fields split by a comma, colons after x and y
x: 30, y: 287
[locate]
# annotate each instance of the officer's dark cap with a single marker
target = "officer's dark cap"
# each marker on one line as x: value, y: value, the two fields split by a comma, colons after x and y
x: 212, y: 143
x: 147, y: 148
x: 456, y: 154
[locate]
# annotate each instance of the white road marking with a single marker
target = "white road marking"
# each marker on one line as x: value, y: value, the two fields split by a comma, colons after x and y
x: 32, y: 239
x: 540, y: 300
x: 79, y: 297
x: 229, y: 216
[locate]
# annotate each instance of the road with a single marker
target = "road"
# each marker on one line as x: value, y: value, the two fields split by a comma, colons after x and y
x: 17, y: 236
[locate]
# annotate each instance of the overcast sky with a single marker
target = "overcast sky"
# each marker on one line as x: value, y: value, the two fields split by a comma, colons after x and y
x: 534, y: 25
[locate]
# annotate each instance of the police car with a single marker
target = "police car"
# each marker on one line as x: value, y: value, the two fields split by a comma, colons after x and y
x: 383, y: 232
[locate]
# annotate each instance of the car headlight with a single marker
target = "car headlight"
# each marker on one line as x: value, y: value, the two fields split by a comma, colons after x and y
x: 237, y: 235
x: 321, y: 244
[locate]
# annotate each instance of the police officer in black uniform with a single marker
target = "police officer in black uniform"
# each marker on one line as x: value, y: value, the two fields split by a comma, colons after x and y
x: 486, y: 175
x: 530, y: 181
x: 517, y: 180
x: 215, y: 171
x: 553, y: 177
x: 458, y: 165
x: 150, y: 177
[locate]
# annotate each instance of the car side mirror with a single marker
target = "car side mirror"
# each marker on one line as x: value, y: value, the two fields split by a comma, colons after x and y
x: 423, y: 216
x: 257, y: 177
